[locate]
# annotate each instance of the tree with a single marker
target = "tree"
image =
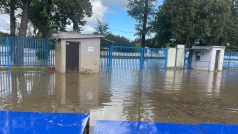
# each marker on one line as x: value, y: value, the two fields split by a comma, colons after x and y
x: 102, y: 28
x: 9, y: 7
x: 232, y: 28
x: 119, y: 40
x: 142, y: 11
x: 24, y: 17
x: 54, y: 15
x: 189, y: 21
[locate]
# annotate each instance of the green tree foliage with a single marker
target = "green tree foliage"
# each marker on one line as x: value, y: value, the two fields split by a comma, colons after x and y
x: 102, y: 28
x: 9, y: 7
x: 142, y: 11
x: 119, y: 40
x: 232, y: 28
x: 189, y: 21
x: 3, y: 34
x: 54, y: 15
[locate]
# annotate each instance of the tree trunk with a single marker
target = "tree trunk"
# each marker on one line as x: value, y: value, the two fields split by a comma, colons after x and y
x: 24, y: 18
x: 19, y: 60
x: 45, y: 30
x: 12, y: 27
x: 144, y: 27
x: 12, y: 18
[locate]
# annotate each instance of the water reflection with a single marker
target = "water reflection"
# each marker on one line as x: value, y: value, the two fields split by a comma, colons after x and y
x: 181, y: 96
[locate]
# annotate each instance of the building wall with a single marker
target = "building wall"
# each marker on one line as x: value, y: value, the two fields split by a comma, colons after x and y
x: 204, y: 62
x: 180, y: 56
x: 58, y: 59
x: 213, y: 59
x: 208, y: 59
x: 89, y: 55
x: 171, y: 57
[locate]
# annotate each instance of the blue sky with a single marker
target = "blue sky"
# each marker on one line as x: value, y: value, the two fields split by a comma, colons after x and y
x: 120, y: 23
x: 112, y: 12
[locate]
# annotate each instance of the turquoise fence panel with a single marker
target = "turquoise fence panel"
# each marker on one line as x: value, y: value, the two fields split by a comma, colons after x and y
x: 188, y: 59
x: 133, y: 58
x: 230, y: 60
x: 26, y: 52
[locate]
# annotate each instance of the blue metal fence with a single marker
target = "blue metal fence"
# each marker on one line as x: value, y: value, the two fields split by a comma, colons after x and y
x: 26, y: 52
x: 188, y: 59
x: 231, y: 60
x: 133, y: 58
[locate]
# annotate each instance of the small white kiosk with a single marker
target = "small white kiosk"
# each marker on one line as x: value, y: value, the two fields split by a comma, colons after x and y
x: 208, y: 57
x: 77, y: 52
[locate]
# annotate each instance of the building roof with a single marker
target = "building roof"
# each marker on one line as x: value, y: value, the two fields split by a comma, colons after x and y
x: 70, y: 35
x: 206, y: 47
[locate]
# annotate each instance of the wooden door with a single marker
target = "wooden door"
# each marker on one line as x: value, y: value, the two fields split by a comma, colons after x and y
x: 72, y: 56
x: 217, y: 59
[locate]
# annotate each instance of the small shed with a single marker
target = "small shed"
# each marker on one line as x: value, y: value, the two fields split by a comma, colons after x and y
x: 208, y: 57
x: 77, y: 52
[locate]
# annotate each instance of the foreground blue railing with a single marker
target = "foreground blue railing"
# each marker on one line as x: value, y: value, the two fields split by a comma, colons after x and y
x: 13, y: 122
x: 129, y: 127
x: 26, y: 52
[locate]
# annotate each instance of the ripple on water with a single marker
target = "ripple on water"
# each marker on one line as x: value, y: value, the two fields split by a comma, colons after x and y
x: 151, y: 95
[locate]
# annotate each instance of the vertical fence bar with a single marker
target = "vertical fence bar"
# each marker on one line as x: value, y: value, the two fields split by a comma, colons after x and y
x: 1, y: 42
x: 8, y: 54
x: 229, y: 60
x: 46, y: 52
x: 190, y: 59
x: 142, y: 56
x: 166, y: 58
x: 110, y: 55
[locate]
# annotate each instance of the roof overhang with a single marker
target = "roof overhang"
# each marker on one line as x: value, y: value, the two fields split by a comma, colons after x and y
x: 72, y: 36
x: 206, y: 48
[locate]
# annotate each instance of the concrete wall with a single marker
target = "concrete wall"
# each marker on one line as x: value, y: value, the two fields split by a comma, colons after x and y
x: 89, y: 55
x: 176, y: 58
x: 204, y: 62
x: 180, y: 56
x: 208, y: 59
x: 171, y: 57
x: 213, y: 59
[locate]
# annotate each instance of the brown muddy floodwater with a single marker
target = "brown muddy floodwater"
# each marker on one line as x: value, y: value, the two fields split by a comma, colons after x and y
x: 186, y: 96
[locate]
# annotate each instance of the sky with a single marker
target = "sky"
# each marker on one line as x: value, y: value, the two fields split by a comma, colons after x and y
x: 113, y: 12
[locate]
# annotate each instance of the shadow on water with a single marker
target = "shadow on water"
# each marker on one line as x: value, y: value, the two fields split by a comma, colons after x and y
x: 182, y: 96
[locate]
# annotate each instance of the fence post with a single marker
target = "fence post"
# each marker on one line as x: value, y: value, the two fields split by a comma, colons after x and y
x: 46, y: 53
x: 229, y: 60
x: 166, y: 58
x: 190, y: 59
x: 142, y: 56
x: 8, y: 54
x: 110, y: 56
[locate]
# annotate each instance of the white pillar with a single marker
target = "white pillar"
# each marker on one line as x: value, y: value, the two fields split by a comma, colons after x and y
x: 171, y: 57
x: 180, y: 56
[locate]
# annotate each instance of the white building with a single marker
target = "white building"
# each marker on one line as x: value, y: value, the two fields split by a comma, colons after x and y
x: 77, y: 52
x: 208, y: 57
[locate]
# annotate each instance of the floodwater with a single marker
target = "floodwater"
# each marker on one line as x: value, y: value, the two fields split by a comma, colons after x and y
x: 182, y: 96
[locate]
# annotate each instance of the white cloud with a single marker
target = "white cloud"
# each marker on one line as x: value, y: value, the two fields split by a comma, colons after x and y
x: 99, y: 10
x: 4, y: 23
x: 87, y: 29
x: 118, y: 3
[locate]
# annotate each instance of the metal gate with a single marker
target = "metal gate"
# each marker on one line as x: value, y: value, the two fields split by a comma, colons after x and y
x: 134, y: 58
x: 230, y: 60
x: 26, y: 52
